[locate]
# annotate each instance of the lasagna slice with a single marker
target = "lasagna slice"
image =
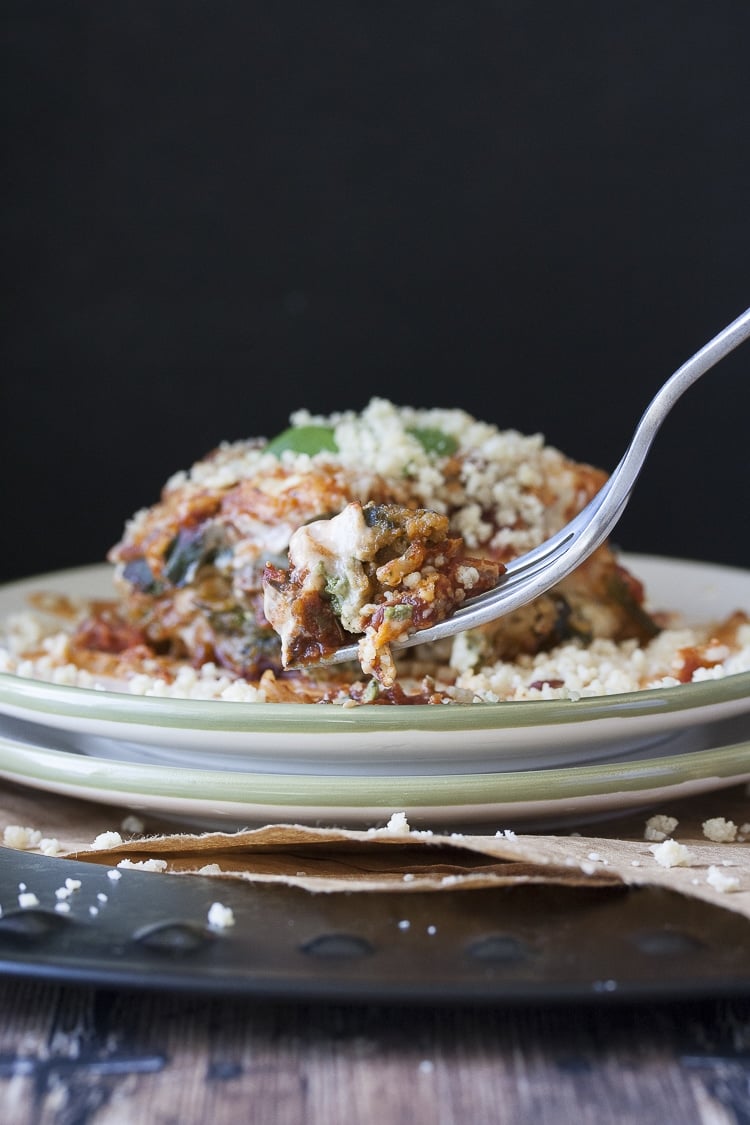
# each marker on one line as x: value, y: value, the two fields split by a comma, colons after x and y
x: 376, y: 572
x: 395, y: 516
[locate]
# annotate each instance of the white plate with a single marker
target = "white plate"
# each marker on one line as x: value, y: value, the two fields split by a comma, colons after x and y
x: 402, y: 741
x: 494, y: 800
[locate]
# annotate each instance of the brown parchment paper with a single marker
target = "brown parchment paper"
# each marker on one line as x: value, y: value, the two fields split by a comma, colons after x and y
x: 613, y: 852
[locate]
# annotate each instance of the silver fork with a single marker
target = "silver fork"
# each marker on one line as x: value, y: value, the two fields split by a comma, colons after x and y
x: 530, y: 575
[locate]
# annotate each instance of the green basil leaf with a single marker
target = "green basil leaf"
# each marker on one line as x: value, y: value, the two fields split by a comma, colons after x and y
x: 303, y: 439
x: 434, y: 441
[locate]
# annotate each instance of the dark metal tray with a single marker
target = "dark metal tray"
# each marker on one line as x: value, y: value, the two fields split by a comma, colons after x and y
x: 525, y: 944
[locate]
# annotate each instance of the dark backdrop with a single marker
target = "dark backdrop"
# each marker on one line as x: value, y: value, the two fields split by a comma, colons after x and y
x: 217, y: 212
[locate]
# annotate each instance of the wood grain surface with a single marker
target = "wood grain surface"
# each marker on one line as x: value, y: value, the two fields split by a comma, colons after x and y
x: 79, y: 1056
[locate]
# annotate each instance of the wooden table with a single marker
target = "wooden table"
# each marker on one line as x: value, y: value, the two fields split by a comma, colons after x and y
x: 85, y: 1056
x: 623, y: 1042
x: 213, y: 1044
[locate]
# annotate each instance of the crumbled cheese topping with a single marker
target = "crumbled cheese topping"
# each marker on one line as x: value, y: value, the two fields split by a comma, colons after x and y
x: 20, y: 838
x: 671, y: 854
x: 220, y: 917
x: 658, y: 827
x: 719, y: 830
x: 106, y: 840
x: 720, y: 881
x: 501, y: 471
x: 398, y: 825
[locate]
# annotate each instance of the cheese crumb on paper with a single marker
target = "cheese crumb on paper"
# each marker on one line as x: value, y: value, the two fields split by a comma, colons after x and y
x: 719, y: 830
x: 21, y: 838
x: 106, y: 840
x: 659, y: 827
x: 671, y: 854
x: 720, y: 881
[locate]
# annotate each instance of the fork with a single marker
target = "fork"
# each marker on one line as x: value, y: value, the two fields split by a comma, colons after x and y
x: 535, y: 572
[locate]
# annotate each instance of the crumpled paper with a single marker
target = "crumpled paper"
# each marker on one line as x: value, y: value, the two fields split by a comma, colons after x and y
x: 391, y: 856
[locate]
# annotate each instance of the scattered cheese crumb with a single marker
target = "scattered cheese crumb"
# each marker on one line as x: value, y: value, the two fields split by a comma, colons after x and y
x: 62, y: 907
x: 102, y: 897
x: 671, y: 854
x: 721, y: 882
x: 659, y: 827
x: 27, y: 898
x: 220, y: 916
x: 20, y: 838
x: 144, y: 864
x: 106, y: 840
x: 587, y: 867
x: 73, y: 884
x: 209, y: 869
x: 62, y: 893
x: 49, y: 846
x: 93, y: 910
x: 431, y: 930
x: 719, y: 830
x: 398, y: 824
x: 114, y: 875
x: 132, y: 824
x: 408, y: 878
x: 404, y: 924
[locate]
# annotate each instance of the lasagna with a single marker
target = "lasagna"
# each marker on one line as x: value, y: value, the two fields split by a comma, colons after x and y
x: 267, y: 554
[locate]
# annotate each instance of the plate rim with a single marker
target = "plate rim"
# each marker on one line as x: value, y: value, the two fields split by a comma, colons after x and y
x: 25, y: 763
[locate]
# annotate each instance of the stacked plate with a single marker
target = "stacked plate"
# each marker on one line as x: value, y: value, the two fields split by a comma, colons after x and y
x: 491, y: 765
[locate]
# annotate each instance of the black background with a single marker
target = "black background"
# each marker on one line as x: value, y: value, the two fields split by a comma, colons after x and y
x: 218, y: 212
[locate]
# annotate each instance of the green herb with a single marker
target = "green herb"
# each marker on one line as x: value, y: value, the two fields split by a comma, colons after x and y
x: 434, y: 441
x: 303, y: 439
x: 337, y: 588
x: 371, y: 692
x: 397, y: 612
